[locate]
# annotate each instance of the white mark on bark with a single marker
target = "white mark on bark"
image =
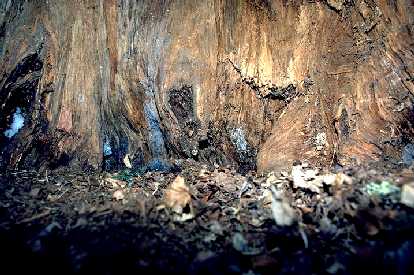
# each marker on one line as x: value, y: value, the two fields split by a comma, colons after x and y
x: 238, y: 139
x: 17, y: 124
x: 107, y: 149
x: 320, y: 141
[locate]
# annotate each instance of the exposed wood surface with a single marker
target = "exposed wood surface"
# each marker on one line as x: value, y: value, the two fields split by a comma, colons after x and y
x: 90, y: 72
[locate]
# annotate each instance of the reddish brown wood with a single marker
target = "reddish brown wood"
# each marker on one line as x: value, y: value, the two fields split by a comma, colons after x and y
x: 258, y: 82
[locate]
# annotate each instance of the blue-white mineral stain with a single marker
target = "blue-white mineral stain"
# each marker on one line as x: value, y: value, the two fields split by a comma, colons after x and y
x: 158, y: 165
x: 107, y: 149
x: 408, y: 154
x: 17, y: 123
x: 238, y: 139
x: 156, y: 139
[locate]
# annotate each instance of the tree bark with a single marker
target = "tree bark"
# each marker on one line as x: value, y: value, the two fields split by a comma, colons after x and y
x: 251, y: 82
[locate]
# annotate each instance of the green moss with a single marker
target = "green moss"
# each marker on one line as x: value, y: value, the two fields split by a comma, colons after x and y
x: 382, y: 189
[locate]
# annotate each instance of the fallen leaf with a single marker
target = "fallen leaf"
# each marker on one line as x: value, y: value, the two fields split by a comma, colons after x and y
x: 116, y: 183
x: 335, y: 268
x: 177, y: 196
x: 329, y: 179
x: 127, y: 162
x: 216, y: 228
x: 271, y: 179
x: 241, y: 245
x: 306, y: 179
x: 183, y: 217
x: 118, y: 195
x: 371, y: 229
x: 266, y: 198
x: 203, y: 175
x: 407, y: 195
x: 34, y: 192
x: 341, y: 178
x: 265, y: 262
x: 283, y: 213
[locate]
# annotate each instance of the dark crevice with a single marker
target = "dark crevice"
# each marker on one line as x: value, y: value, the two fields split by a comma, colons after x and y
x: 206, y: 146
x: 267, y: 90
x: 19, y: 91
x: 18, y: 98
x: 181, y: 103
x: 343, y: 124
x: 203, y: 144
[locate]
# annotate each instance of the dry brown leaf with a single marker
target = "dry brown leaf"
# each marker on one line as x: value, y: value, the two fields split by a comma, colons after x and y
x: 341, y: 178
x: 177, y: 196
x: 116, y: 183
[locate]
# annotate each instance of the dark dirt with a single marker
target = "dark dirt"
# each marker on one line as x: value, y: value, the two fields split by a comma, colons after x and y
x: 67, y: 222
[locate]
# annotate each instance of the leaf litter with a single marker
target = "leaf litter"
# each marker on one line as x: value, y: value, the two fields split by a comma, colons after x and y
x: 210, y: 220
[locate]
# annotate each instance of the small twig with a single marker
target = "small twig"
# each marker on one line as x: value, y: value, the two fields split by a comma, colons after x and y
x: 333, y: 156
x: 344, y: 71
x: 103, y: 213
x: 35, y: 217
x: 303, y: 235
x: 157, y: 185
x: 58, y: 197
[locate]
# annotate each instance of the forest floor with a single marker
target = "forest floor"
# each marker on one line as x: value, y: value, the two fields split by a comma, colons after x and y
x: 208, y: 220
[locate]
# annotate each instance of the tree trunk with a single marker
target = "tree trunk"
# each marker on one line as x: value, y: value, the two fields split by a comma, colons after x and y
x: 247, y: 82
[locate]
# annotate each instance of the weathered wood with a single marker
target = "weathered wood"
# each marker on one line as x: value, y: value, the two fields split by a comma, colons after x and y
x: 216, y: 80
